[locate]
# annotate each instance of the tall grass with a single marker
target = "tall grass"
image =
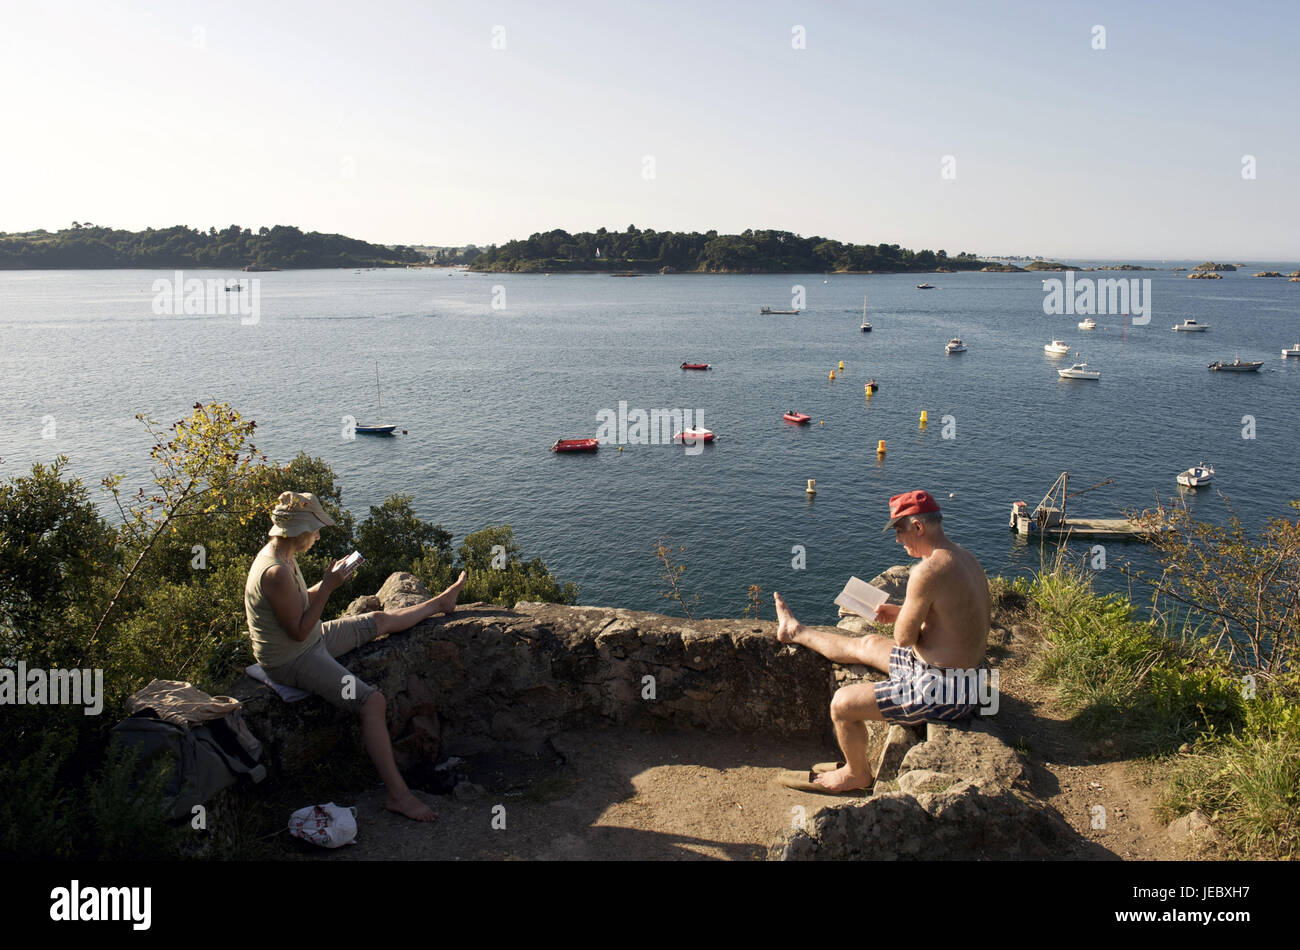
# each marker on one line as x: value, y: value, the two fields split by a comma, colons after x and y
x: 1155, y: 685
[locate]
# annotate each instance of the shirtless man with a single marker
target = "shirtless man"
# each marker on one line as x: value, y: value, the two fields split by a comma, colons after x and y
x: 942, y: 625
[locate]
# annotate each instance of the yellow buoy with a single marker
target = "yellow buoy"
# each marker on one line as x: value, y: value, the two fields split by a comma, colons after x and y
x: 924, y: 417
x: 841, y: 366
x: 812, y: 486
x: 832, y: 376
x: 620, y: 448
x: 822, y: 422
x: 880, y: 447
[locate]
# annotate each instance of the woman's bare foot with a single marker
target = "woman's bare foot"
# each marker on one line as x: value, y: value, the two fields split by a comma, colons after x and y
x: 787, y: 626
x: 844, y: 780
x: 445, y: 602
x: 410, y: 806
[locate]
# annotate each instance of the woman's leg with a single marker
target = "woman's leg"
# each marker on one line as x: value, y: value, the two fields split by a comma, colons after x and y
x: 374, y: 733
x: 403, y: 618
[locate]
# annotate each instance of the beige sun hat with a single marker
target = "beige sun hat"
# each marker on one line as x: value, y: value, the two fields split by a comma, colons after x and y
x: 297, y: 513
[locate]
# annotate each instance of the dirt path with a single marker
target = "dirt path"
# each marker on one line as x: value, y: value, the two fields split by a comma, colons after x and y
x: 625, y: 795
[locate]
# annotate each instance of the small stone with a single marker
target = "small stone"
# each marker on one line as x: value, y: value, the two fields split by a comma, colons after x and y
x: 466, y: 791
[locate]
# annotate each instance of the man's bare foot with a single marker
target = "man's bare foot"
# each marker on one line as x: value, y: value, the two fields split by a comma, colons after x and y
x: 787, y: 626
x: 844, y: 780
x: 410, y: 806
x: 445, y: 602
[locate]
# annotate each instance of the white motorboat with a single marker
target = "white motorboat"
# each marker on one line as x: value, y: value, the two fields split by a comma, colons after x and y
x: 1079, y: 371
x: 955, y: 345
x: 1196, y: 476
x: 1088, y: 324
x: 1056, y: 348
x: 1293, y: 351
x: 1191, y: 326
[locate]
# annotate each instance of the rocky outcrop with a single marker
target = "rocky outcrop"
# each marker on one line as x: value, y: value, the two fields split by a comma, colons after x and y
x: 492, y: 678
x: 968, y: 821
x: 962, y: 794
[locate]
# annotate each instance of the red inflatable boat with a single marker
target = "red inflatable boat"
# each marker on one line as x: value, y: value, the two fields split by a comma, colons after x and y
x: 575, y: 445
x: 695, y: 366
x: 798, y: 418
x: 694, y: 435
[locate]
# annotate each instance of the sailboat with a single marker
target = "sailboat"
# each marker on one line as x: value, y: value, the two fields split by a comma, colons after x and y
x: 866, y: 327
x: 380, y: 429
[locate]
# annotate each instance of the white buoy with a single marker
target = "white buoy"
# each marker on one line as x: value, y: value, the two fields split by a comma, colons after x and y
x: 812, y: 486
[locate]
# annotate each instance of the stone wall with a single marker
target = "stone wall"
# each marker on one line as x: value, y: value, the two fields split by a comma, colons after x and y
x: 489, y: 676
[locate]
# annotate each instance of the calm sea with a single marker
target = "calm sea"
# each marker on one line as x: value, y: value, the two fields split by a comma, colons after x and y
x: 483, y: 393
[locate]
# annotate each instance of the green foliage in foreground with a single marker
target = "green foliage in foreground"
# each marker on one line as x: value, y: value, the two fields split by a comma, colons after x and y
x: 1161, y: 691
x: 161, y: 595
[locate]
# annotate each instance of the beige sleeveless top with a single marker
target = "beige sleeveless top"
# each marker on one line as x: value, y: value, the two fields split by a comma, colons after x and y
x: 271, y: 645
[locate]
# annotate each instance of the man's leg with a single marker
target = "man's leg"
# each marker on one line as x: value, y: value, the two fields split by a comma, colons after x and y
x: 403, y: 618
x: 872, y: 650
x: 374, y: 733
x: 850, y: 708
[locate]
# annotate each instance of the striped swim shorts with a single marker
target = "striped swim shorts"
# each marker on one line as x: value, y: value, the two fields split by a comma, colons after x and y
x: 917, y: 692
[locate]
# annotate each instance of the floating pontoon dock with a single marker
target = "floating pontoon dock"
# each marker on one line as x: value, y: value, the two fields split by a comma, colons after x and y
x: 1051, y: 520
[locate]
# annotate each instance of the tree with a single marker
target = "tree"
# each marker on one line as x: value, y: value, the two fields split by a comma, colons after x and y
x: 1249, y: 587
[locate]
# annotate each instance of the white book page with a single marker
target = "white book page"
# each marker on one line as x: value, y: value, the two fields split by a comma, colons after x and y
x: 861, y: 598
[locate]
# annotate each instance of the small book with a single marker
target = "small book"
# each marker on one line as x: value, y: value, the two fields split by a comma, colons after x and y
x: 861, y: 598
x: 352, y: 560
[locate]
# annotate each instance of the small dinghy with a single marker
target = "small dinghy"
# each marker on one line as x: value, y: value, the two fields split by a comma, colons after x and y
x: 1196, y: 476
x: 695, y: 366
x: 798, y: 418
x: 375, y: 430
x: 694, y: 435
x: 575, y: 445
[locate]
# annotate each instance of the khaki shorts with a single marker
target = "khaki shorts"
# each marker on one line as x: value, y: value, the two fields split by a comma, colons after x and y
x: 316, y: 670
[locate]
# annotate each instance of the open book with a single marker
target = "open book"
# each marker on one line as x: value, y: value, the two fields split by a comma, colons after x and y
x: 861, y: 598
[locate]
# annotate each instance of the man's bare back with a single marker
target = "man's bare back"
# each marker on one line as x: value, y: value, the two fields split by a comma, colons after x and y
x: 950, y: 584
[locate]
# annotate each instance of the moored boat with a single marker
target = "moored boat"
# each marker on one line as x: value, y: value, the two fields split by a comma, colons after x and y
x: 1237, y: 366
x: 955, y: 345
x: 1191, y: 326
x: 1079, y: 371
x: 696, y: 434
x: 1196, y: 476
x: 1088, y: 324
x: 575, y: 445
x: 798, y: 418
x: 374, y: 430
x: 695, y: 366
x: 1057, y: 347
x: 925, y: 286
x: 1292, y: 351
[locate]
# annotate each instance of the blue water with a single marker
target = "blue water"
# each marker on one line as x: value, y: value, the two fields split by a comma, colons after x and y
x: 483, y: 393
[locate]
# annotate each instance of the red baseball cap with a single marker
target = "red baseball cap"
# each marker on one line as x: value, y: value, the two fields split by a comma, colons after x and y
x: 907, y: 504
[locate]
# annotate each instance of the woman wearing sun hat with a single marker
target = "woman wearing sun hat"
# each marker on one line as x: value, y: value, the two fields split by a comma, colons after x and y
x: 296, y: 649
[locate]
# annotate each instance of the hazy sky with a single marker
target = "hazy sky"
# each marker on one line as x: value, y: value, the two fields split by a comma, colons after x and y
x: 400, y: 123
